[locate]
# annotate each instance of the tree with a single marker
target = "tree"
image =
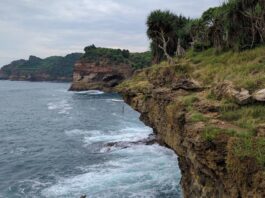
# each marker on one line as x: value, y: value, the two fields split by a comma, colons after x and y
x: 162, y: 32
x: 167, y: 31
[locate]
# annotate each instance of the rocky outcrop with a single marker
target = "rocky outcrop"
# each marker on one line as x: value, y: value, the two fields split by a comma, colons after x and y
x: 228, y: 90
x: 99, y: 75
x: 240, y: 96
x: 209, y: 166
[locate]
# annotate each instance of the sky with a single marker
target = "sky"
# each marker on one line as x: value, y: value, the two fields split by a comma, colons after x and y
x: 58, y: 27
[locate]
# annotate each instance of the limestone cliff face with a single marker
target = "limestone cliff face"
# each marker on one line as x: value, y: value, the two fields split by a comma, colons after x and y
x: 101, y: 75
x: 209, y: 166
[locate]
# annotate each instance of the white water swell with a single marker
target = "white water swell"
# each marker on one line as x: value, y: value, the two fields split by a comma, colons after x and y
x: 139, y: 171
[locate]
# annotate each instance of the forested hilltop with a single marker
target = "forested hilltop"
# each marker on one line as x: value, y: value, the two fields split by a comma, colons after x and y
x: 137, y: 60
x: 57, y: 68
x: 54, y: 68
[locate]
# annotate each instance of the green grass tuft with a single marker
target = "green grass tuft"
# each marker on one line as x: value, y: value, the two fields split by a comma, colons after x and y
x: 198, y: 117
x: 247, y: 117
x: 211, y: 132
x: 250, y: 147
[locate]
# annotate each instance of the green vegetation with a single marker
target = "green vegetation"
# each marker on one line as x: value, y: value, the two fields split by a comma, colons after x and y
x: 198, y: 117
x: 54, y: 66
x: 140, y: 60
x: 251, y: 148
x: 138, y: 83
x: 189, y: 100
x: 245, y: 69
x: 165, y: 29
x: 93, y: 53
x: 211, y: 132
x: 236, y: 25
x: 247, y: 117
x: 117, y: 56
x: 61, y: 68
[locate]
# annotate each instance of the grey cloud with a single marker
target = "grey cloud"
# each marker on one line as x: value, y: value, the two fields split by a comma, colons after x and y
x: 58, y: 27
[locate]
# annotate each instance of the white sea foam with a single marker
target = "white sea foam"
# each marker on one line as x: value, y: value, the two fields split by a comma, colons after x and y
x: 90, y: 92
x: 29, y: 187
x: 115, y: 100
x: 62, y: 106
x: 126, y: 134
x: 139, y: 171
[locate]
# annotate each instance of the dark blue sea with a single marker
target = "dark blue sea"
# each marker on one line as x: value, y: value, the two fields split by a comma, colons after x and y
x: 54, y: 144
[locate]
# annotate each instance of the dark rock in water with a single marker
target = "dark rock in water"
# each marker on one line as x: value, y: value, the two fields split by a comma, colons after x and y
x: 152, y: 139
x: 83, y: 196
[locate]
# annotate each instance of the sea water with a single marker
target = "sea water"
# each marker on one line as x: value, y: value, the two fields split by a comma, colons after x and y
x: 54, y: 143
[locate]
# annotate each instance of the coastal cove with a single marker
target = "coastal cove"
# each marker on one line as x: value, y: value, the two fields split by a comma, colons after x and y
x: 59, y: 145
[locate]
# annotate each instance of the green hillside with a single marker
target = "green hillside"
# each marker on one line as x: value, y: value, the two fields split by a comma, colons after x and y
x: 51, y: 68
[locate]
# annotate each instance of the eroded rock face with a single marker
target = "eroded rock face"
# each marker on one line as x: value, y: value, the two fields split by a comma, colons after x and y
x: 209, y: 168
x: 101, y: 75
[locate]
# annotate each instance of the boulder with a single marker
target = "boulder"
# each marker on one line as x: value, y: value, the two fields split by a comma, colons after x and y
x: 242, y: 97
x: 259, y: 95
x: 226, y: 89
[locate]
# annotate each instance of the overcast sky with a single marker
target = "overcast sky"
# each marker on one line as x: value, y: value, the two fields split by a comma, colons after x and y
x: 57, y: 27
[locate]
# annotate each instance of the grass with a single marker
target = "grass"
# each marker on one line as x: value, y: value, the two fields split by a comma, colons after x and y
x: 198, y: 117
x: 252, y: 148
x: 211, y: 132
x: 246, y: 69
x: 138, y: 82
x: 189, y: 100
x: 247, y: 117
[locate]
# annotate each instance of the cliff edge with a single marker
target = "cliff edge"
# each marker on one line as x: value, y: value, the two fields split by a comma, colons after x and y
x: 210, y: 110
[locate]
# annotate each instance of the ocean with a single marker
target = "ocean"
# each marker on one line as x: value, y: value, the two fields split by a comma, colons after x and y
x: 56, y: 144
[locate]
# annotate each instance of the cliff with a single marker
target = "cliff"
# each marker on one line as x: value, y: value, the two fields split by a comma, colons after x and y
x: 102, y: 76
x: 54, y: 68
x: 210, y: 110
x: 104, y: 68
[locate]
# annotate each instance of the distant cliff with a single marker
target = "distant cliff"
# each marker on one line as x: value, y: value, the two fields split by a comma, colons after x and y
x: 54, y: 68
x: 104, y: 68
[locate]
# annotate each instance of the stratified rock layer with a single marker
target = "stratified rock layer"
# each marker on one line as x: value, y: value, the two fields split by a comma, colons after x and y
x: 101, y: 75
